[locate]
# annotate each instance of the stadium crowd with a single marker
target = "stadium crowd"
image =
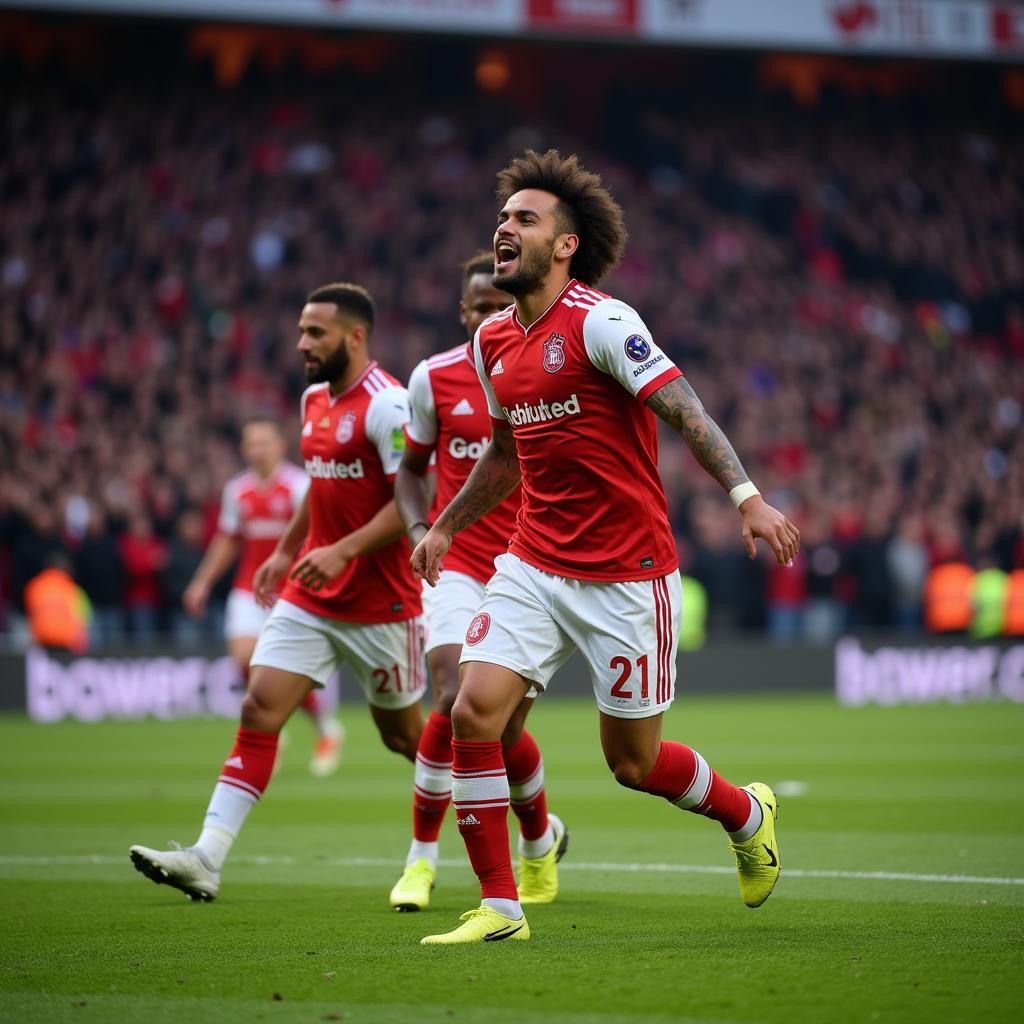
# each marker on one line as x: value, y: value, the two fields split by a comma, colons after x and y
x: 847, y: 297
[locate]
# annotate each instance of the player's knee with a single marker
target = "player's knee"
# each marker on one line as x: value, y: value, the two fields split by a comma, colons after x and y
x: 469, y: 719
x: 629, y: 772
x: 257, y: 714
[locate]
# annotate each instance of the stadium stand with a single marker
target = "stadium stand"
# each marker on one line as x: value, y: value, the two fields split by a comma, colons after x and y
x: 845, y: 296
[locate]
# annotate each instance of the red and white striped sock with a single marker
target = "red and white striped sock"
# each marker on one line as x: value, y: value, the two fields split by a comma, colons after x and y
x: 685, y: 779
x: 527, y: 796
x: 480, y: 795
x: 432, y: 787
x: 242, y: 781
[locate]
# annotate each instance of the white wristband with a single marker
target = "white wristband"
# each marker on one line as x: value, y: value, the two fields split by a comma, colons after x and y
x: 741, y: 492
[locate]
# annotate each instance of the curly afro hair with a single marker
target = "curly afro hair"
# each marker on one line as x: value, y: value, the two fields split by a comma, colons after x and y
x: 585, y: 208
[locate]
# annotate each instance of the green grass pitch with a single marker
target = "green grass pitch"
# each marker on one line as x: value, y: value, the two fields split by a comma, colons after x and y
x: 901, y: 895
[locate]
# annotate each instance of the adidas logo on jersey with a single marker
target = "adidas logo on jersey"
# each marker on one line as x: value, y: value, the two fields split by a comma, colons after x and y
x: 307, y: 430
x: 497, y: 368
x: 469, y: 819
x: 322, y: 469
x: 542, y: 411
x: 234, y: 762
x: 463, y: 408
x: 460, y: 448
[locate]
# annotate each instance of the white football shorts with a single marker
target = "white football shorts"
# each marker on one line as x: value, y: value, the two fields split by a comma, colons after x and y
x: 531, y: 622
x: 243, y: 617
x: 449, y: 607
x: 386, y: 657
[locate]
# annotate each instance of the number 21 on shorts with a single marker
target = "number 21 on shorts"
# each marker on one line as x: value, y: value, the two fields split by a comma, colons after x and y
x: 623, y: 689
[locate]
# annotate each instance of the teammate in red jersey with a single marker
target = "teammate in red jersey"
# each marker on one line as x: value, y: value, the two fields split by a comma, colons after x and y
x: 572, y: 378
x: 255, y: 510
x: 449, y: 420
x: 349, y: 597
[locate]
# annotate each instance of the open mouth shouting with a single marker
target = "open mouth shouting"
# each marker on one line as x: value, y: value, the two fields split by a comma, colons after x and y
x: 506, y: 253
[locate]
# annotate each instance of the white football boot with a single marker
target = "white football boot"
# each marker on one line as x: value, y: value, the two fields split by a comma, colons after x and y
x: 181, y: 868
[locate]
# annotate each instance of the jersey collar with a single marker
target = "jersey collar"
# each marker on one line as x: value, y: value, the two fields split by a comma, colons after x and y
x: 370, y: 367
x: 547, y: 312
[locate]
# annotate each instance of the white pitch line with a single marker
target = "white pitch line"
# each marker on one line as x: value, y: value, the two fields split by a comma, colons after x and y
x: 677, y: 869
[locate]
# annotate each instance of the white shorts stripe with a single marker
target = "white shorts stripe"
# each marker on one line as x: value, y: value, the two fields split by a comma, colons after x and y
x: 697, y: 792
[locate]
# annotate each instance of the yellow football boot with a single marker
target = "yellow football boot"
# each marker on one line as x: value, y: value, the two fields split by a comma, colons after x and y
x: 538, y: 876
x: 481, y: 925
x: 412, y: 890
x: 757, y: 859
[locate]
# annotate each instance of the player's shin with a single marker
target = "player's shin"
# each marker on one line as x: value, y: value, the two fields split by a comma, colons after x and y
x: 243, y: 779
x: 685, y: 779
x: 432, y: 787
x: 525, y: 768
x: 481, y: 796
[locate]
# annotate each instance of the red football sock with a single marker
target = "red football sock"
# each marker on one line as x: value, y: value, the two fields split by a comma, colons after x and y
x: 251, y: 761
x: 480, y: 795
x: 684, y: 778
x: 529, y: 800
x: 432, y: 789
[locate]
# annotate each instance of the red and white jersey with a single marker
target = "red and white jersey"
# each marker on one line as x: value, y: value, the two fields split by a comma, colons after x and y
x: 258, y: 512
x: 352, y: 444
x: 571, y: 387
x: 449, y: 416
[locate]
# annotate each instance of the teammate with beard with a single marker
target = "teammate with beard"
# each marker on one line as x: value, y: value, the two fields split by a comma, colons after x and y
x: 449, y: 422
x: 350, y: 596
x: 574, y: 380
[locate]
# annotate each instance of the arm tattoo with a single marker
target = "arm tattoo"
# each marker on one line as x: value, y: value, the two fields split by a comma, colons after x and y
x: 678, y: 405
x: 495, y: 476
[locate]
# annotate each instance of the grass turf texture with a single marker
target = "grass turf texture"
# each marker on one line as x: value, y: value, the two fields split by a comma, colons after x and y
x: 302, y: 930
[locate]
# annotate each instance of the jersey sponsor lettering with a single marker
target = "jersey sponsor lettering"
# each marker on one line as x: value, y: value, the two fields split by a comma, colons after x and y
x: 520, y: 414
x: 351, y: 460
x: 318, y: 468
x: 460, y: 448
x: 572, y: 388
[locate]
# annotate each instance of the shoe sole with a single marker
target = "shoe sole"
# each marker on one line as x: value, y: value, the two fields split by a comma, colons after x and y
x: 162, y: 876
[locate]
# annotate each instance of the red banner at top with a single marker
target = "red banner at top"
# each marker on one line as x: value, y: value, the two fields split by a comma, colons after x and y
x: 612, y: 16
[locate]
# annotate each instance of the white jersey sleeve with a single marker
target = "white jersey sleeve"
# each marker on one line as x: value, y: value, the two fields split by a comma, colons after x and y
x: 386, y: 419
x: 422, y: 428
x: 230, y: 519
x: 493, y: 406
x: 619, y: 344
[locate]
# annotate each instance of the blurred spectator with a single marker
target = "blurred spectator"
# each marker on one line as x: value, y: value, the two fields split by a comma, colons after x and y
x: 57, y: 608
x: 184, y: 554
x: 907, y: 563
x: 144, y: 556
x: 99, y: 570
x: 823, y: 614
x: 867, y: 562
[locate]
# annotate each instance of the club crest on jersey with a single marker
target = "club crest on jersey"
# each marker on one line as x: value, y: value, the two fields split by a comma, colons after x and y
x: 637, y: 348
x: 554, y: 357
x: 478, y: 628
x: 346, y: 428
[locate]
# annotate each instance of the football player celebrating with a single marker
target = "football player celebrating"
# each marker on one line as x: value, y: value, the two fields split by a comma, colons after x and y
x: 350, y: 597
x: 574, y: 383
x: 449, y: 422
